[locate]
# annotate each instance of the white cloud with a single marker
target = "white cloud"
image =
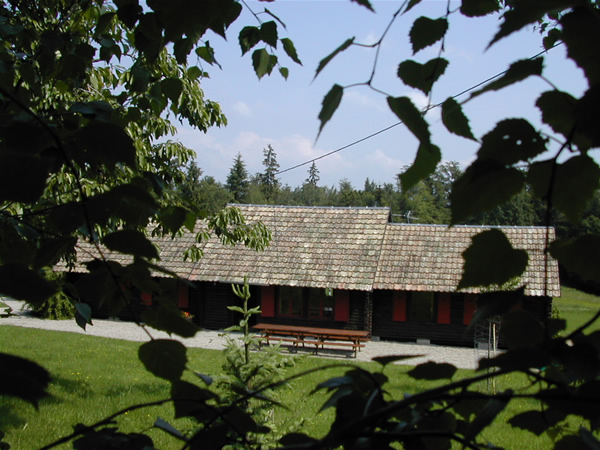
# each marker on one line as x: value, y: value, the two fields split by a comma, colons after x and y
x: 242, y: 109
x: 364, y: 100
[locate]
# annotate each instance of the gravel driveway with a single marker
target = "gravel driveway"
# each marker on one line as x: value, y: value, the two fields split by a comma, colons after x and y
x: 465, y: 358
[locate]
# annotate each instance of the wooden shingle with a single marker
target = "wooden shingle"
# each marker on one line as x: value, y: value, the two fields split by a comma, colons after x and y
x: 429, y: 258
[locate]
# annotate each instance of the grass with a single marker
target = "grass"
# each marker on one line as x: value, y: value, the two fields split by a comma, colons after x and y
x: 577, y: 307
x: 94, y: 377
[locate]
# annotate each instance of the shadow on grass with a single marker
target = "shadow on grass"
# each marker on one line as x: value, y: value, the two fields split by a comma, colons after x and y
x: 13, y: 415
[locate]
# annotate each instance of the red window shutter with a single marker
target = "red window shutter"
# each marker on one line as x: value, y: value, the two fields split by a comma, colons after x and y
x: 146, y: 298
x: 183, y: 295
x: 399, y: 307
x: 267, y: 301
x: 443, y: 307
x: 470, y: 307
x: 342, y: 306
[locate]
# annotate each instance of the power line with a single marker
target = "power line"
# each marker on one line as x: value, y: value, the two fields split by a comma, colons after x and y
x: 426, y: 110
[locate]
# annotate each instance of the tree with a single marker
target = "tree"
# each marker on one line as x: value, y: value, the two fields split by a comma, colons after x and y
x: 313, y: 175
x: 237, y: 180
x: 89, y: 90
x: 347, y: 195
x: 268, y: 179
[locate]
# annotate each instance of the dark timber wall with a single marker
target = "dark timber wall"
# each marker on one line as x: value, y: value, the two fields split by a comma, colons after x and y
x: 357, y: 320
x: 453, y: 333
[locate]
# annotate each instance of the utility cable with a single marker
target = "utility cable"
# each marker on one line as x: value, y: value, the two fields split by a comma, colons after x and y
x: 425, y: 111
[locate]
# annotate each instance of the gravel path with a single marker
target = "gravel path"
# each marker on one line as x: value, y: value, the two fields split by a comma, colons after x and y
x: 465, y: 358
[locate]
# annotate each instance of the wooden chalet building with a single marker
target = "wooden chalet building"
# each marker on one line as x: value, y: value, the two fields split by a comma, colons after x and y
x: 350, y: 268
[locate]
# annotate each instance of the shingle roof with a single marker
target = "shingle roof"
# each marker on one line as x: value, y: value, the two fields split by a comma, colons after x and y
x: 313, y: 247
x: 350, y: 248
x: 429, y: 258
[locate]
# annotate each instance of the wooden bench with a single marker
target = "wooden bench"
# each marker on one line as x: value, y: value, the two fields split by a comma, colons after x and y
x: 320, y: 338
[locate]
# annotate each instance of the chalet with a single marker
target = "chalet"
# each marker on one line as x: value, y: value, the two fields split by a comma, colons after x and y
x: 350, y: 268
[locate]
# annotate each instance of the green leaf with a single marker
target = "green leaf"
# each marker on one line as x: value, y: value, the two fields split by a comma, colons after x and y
x: 551, y: 39
x: 364, y: 3
x: 275, y: 17
x: 579, y: 255
x: 248, y: 38
x: 284, y: 71
x: 491, y: 260
x: 97, y: 287
x: 21, y: 283
x: 518, y: 359
x: 172, y: 88
x: 194, y: 72
x: 290, y: 50
x: 433, y: 371
x: 332, y: 55
x: 482, y: 187
x: 22, y: 177
x: 587, y: 110
x: 268, y: 33
x: 428, y: 157
x: 191, y: 401
x: 478, y: 8
x: 511, y: 141
x: 494, y: 304
x: 162, y: 424
x: 23, y: 379
x: 408, y: 113
x: 527, y: 12
x: 83, y: 314
x: 455, y: 120
x: 581, y: 33
x: 105, y: 143
x: 173, y: 217
x: 522, y: 329
x: 170, y: 320
x: 207, y: 53
x: 262, y: 62
x: 422, y: 76
x: 330, y: 103
x: 140, y: 79
x: 411, y: 4
x: 426, y: 32
x: 558, y: 111
x: 164, y: 358
x: 518, y: 71
x: 572, y: 183
x: 130, y: 242
x: 49, y: 253
x: 25, y: 136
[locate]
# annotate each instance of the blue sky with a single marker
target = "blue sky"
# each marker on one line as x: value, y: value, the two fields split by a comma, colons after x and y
x: 284, y: 113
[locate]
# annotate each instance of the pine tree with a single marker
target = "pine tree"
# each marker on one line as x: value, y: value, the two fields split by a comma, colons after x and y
x: 269, y: 181
x: 237, y: 180
x: 313, y: 175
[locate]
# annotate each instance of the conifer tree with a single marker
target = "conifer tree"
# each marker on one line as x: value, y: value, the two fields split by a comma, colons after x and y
x: 237, y: 180
x: 269, y: 181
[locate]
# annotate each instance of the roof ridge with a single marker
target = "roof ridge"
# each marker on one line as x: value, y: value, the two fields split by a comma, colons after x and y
x: 380, y: 208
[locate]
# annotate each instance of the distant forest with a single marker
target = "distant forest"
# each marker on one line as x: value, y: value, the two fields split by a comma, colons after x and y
x: 426, y: 203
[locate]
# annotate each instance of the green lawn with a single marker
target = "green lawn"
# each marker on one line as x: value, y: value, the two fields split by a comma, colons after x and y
x: 577, y: 307
x: 94, y: 377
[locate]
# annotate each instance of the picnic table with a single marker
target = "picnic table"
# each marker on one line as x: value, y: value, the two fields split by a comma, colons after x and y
x: 311, y: 336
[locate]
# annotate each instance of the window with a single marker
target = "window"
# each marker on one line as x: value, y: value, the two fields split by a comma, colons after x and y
x: 421, y: 306
x: 290, y: 301
x: 320, y: 305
